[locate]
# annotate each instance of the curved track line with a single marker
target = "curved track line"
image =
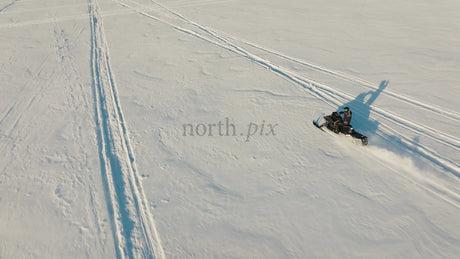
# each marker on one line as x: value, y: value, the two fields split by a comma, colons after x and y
x: 329, y: 95
x: 368, y: 85
x: 319, y: 90
x: 8, y: 5
x: 133, y: 226
x: 417, y: 128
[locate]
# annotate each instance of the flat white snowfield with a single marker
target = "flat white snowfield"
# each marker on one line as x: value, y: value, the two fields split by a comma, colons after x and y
x: 182, y: 129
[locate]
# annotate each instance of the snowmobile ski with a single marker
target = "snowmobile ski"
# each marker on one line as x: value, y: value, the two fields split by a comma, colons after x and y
x: 318, y: 126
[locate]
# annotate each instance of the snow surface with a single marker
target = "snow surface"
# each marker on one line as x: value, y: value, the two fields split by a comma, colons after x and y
x: 100, y: 98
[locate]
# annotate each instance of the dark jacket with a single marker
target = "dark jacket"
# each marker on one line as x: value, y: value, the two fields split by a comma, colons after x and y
x: 346, y: 117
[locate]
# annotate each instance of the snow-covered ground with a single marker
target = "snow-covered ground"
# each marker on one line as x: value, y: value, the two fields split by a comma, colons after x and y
x: 182, y: 129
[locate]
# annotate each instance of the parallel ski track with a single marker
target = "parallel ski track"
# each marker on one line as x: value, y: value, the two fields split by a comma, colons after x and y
x: 451, y: 115
x: 336, y: 97
x: 4, y: 8
x: 85, y: 16
x: 330, y: 95
x: 134, y: 230
x: 30, y: 94
x: 430, y: 132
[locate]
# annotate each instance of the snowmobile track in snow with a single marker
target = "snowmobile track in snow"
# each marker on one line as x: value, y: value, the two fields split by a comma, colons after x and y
x: 452, y: 115
x: 8, y: 5
x: 134, y: 230
x: 328, y: 94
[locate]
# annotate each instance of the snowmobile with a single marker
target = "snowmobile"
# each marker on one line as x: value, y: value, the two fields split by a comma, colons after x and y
x: 347, y: 130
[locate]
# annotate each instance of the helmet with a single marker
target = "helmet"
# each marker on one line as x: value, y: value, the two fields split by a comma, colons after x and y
x: 346, y: 109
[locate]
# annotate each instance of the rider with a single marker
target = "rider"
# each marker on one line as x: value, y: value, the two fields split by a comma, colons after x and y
x: 345, y: 121
x: 346, y: 116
